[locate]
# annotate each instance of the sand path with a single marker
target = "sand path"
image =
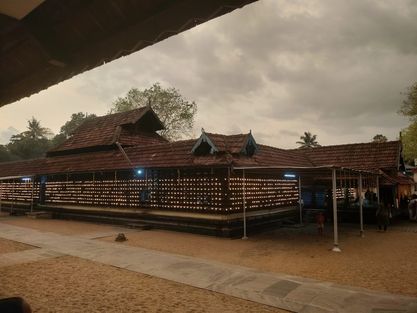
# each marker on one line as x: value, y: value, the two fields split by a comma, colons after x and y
x: 283, y: 291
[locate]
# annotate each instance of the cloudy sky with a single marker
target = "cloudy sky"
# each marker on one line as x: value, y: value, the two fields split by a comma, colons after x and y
x: 335, y: 68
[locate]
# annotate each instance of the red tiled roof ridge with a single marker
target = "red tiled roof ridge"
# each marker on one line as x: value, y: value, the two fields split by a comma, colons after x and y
x: 224, y: 135
x: 118, y: 114
x: 23, y: 161
x: 168, y: 143
x: 272, y: 147
x: 112, y: 116
x: 345, y: 145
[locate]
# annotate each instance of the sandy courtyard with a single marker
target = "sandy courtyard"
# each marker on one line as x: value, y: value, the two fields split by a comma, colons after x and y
x: 380, y: 261
x: 68, y: 284
x: 7, y: 246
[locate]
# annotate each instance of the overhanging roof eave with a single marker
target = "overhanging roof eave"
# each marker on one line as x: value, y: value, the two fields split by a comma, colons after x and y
x: 16, y: 177
x: 299, y: 168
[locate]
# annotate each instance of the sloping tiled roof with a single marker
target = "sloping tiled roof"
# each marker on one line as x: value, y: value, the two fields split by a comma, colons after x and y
x: 230, y: 143
x: 106, y: 130
x: 369, y: 156
x: 126, y: 138
x: 397, y: 178
x: 271, y: 156
x: 162, y: 155
x: 22, y: 168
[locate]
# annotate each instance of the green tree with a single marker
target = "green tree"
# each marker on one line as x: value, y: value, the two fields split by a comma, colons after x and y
x: 57, y: 140
x: 4, y: 154
x: 379, y: 138
x: 32, y: 143
x: 409, y: 134
x: 35, y: 130
x: 409, y: 141
x: 308, y: 141
x: 409, y: 106
x: 174, y: 111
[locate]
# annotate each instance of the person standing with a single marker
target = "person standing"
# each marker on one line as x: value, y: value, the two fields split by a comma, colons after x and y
x: 320, y: 219
x: 382, y: 216
x: 412, y: 208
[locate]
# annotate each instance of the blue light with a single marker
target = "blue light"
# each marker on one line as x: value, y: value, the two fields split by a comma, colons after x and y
x: 139, y: 171
x: 289, y: 175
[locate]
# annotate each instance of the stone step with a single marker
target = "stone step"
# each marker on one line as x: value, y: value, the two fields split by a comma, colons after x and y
x: 139, y: 226
x: 39, y: 214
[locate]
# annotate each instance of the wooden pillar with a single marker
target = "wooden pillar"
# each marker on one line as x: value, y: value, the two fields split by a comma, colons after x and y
x: 335, y: 222
x: 13, y: 196
x: 1, y: 193
x: 31, y: 197
x: 300, y: 200
x: 228, y: 179
x: 360, y: 204
x: 244, y: 204
x: 377, y: 190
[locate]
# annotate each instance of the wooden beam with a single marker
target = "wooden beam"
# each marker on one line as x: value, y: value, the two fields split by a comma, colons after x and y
x: 45, y: 42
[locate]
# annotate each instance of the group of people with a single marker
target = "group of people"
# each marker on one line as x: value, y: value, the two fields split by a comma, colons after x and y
x: 383, y: 215
x: 412, y: 208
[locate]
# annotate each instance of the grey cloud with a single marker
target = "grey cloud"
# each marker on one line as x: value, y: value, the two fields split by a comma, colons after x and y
x: 281, y: 67
x: 291, y: 133
x: 6, y: 134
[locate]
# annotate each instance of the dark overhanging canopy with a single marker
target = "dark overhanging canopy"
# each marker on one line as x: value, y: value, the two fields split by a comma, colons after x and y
x: 44, y: 42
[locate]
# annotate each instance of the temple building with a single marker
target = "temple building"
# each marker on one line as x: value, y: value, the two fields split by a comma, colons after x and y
x: 118, y: 169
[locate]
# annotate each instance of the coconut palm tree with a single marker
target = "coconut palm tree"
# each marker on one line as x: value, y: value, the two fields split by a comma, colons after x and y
x: 308, y: 141
x: 36, y: 131
x: 32, y: 143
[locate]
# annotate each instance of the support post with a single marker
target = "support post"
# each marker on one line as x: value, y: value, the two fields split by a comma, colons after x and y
x: 31, y: 197
x: 13, y: 197
x: 1, y: 193
x: 335, y: 230
x: 361, y: 204
x: 244, y: 205
x: 377, y: 190
x: 228, y: 179
x: 300, y: 200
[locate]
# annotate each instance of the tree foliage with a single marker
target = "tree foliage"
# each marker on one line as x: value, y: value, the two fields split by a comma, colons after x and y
x: 175, y: 112
x: 32, y: 143
x: 409, y: 135
x: 308, y: 141
x: 4, y: 154
x: 76, y: 120
x: 379, y: 138
x: 409, y: 107
x: 409, y: 141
